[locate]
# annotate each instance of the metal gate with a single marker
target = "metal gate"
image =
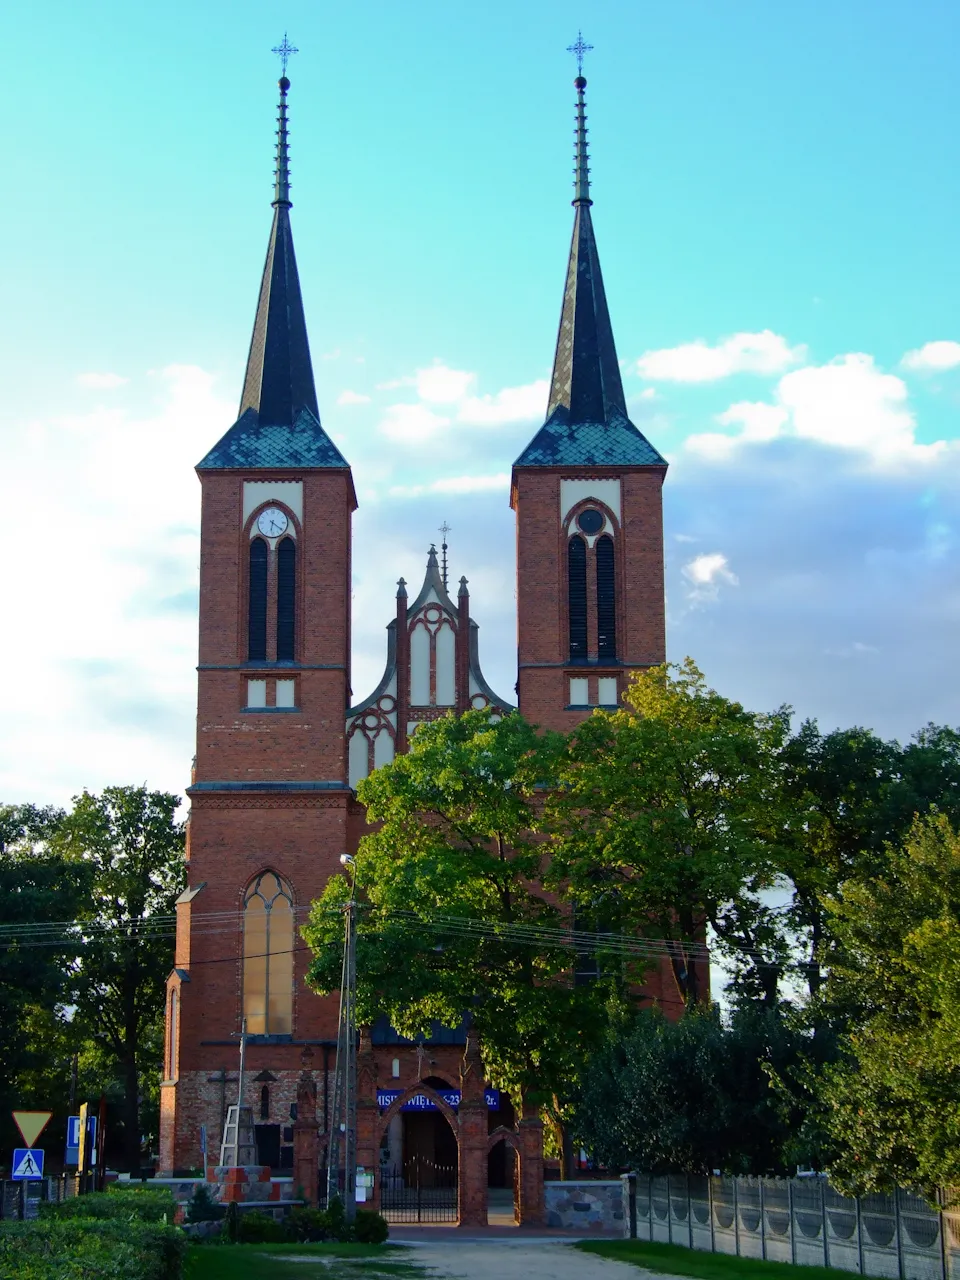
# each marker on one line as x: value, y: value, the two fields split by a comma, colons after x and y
x: 419, y: 1191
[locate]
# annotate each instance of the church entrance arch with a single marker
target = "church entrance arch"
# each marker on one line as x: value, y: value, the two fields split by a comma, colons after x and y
x: 503, y: 1178
x: 420, y: 1156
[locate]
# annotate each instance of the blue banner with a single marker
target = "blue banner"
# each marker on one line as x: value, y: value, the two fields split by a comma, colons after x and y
x: 421, y: 1102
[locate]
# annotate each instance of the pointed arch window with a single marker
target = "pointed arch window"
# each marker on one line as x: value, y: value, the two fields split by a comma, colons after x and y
x: 606, y: 599
x: 286, y: 599
x: 268, y: 956
x: 577, y: 596
x: 257, y: 614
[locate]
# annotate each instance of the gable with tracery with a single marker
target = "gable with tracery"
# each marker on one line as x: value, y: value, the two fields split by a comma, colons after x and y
x: 433, y: 667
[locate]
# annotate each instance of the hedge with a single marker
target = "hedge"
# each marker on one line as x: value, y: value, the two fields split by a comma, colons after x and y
x: 84, y: 1249
x: 147, y: 1204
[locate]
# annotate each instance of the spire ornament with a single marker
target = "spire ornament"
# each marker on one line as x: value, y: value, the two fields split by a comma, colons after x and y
x: 444, y: 529
x: 579, y: 50
x: 285, y: 51
x: 281, y: 174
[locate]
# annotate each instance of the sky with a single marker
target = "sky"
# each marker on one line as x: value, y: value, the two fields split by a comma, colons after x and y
x: 776, y: 205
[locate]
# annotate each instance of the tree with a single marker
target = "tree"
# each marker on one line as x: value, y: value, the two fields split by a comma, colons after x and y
x: 669, y: 817
x: 40, y: 893
x: 890, y: 1102
x: 453, y: 920
x: 854, y: 796
x: 688, y: 1096
x: 129, y: 843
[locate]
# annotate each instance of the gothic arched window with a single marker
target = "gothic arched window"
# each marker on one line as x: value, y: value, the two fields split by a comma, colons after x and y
x: 257, y: 615
x: 286, y: 599
x: 268, y: 956
x: 577, y: 596
x: 606, y: 599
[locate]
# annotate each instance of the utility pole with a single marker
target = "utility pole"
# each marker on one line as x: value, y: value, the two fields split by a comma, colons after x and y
x: 345, y: 1077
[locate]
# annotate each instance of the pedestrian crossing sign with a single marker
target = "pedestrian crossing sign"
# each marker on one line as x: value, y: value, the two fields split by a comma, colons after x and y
x: 27, y: 1163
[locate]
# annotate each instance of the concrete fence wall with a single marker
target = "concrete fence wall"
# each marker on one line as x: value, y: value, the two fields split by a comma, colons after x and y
x: 801, y: 1220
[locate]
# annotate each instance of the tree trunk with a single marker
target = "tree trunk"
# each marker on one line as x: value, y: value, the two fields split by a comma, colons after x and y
x: 131, y: 1113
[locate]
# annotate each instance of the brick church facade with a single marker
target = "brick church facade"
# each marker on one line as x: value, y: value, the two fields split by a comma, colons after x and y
x: 280, y: 744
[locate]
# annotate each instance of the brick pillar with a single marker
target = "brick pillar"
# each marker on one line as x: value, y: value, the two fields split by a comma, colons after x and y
x: 368, y: 1116
x: 530, y: 1142
x: 306, y: 1139
x: 472, y: 1181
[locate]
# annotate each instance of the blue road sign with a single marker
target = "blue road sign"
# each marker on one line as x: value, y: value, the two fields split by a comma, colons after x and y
x: 72, y: 1156
x: 27, y: 1163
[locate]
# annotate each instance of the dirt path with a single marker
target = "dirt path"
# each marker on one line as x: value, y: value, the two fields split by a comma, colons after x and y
x: 521, y: 1260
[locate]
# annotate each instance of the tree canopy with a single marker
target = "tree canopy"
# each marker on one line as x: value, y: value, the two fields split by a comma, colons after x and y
x: 670, y: 817
x: 453, y: 921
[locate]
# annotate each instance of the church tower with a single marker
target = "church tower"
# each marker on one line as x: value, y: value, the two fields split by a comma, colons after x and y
x: 587, y: 496
x: 269, y: 796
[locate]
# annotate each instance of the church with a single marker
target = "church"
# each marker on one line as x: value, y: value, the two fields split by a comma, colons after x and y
x: 282, y: 743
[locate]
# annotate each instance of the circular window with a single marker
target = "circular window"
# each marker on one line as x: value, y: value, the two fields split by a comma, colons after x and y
x: 591, y: 520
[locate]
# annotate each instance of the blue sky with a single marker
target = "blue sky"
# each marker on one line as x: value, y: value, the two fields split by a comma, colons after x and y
x: 776, y: 207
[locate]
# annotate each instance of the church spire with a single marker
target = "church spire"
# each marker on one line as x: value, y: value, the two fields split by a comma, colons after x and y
x: 279, y: 380
x: 587, y: 422
x: 586, y: 375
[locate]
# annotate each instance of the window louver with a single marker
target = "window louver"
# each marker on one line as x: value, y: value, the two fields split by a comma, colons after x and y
x: 257, y: 618
x: 286, y: 599
x: 606, y: 599
x: 577, y: 596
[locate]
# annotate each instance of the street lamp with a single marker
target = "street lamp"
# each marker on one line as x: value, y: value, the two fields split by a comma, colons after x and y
x: 345, y: 1079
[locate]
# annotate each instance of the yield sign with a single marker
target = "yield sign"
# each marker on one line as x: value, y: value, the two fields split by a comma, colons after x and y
x: 31, y: 1124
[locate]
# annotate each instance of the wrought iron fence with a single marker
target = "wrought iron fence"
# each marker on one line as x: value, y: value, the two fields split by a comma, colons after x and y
x: 801, y: 1220
x: 419, y: 1191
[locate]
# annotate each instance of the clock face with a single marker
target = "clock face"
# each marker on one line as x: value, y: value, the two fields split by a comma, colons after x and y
x: 272, y: 522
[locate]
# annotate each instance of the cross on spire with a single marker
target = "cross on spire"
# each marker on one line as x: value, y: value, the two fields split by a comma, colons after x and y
x: 579, y: 49
x: 444, y: 529
x: 284, y: 51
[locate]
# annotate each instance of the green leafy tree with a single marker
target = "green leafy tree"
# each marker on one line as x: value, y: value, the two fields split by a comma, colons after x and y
x: 854, y: 796
x: 689, y: 1096
x: 40, y: 894
x: 890, y: 1102
x: 130, y: 846
x: 670, y: 816
x: 453, y: 920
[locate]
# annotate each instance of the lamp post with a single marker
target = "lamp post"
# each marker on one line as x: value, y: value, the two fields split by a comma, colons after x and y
x: 345, y: 1078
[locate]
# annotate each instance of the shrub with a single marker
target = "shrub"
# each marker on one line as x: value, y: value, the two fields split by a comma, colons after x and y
x: 80, y: 1248
x: 203, y: 1207
x: 370, y: 1227
x: 307, y: 1225
x: 256, y: 1227
x: 336, y: 1220
x: 148, y: 1204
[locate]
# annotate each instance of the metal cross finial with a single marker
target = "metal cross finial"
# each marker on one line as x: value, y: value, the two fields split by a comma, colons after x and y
x: 284, y: 51
x: 444, y: 529
x: 578, y: 50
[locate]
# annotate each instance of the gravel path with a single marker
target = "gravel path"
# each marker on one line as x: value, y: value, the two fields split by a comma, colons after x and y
x: 523, y: 1260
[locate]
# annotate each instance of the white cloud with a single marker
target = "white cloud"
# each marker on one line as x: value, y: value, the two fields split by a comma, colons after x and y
x: 352, y: 397
x: 110, y: 590
x: 101, y: 381
x: 454, y: 484
x: 764, y: 352
x: 705, y: 573
x: 850, y: 403
x: 440, y: 385
x: 933, y: 357
x: 512, y: 404
x: 411, y: 422
x: 847, y: 403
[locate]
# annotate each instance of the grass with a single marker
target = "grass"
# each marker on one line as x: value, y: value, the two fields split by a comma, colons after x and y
x: 273, y: 1262
x: 675, y: 1260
